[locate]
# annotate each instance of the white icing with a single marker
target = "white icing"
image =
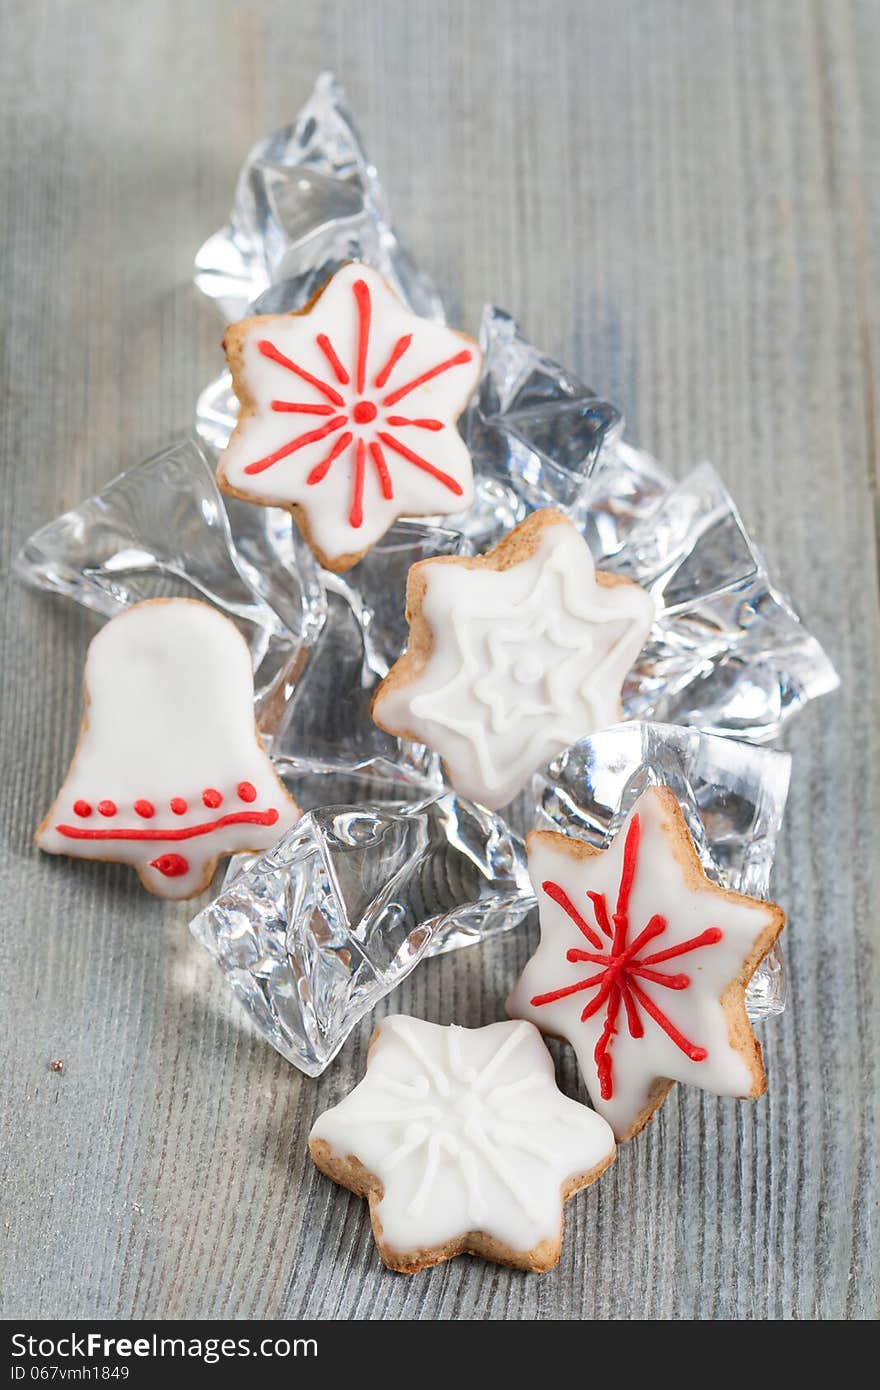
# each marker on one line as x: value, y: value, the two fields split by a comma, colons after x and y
x: 467, y: 1131
x: 660, y: 887
x: 328, y: 503
x: 524, y: 662
x: 169, y: 715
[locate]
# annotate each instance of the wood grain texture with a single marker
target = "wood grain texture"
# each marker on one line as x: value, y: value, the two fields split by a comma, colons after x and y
x: 682, y: 200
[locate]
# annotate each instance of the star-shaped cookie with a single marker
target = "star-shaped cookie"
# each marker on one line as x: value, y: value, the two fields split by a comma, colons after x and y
x: 512, y: 656
x: 348, y: 415
x: 643, y: 964
x: 462, y: 1142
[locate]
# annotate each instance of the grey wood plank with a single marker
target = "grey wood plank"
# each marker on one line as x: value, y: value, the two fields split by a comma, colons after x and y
x: 681, y: 198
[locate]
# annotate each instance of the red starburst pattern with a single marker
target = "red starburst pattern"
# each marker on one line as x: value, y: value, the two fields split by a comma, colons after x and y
x: 364, y: 422
x: 623, y: 966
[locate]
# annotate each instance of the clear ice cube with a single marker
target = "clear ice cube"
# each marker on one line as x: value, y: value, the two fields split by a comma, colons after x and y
x: 532, y: 426
x: 307, y: 200
x: 161, y: 530
x: 327, y: 727
x: 313, y: 934
x: 727, y: 653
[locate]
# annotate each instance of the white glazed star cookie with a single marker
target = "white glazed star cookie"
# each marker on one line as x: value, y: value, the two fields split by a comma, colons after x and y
x: 348, y: 415
x: 512, y: 656
x: 643, y: 964
x: 169, y: 773
x: 462, y: 1142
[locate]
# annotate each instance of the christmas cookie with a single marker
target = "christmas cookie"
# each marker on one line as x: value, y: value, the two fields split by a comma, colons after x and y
x: 643, y: 964
x: 462, y: 1143
x: 512, y: 656
x: 348, y: 415
x: 169, y: 773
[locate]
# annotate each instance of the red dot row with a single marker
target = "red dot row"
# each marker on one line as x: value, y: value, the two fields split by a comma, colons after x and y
x: 210, y: 796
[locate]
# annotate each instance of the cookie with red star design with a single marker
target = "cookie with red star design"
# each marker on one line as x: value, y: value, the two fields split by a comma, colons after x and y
x: 643, y: 964
x: 348, y: 415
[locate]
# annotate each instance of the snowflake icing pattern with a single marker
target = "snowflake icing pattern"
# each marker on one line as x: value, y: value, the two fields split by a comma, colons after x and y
x: 623, y: 965
x: 465, y: 1141
x: 369, y: 427
x: 451, y: 1110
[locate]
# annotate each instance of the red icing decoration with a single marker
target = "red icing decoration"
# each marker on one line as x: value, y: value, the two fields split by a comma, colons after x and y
x: 329, y: 352
x: 559, y: 896
x: 419, y: 424
x: 382, y: 469
x: 178, y: 805
x: 246, y: 791
x: 361, y: 291
x: 107, y: 808
x: 457, y: 361
x: 356, y: 515
x: 311, y: 437
x: 364, y: 412
x: 323, y: 468
x: 183, y: 832
x: 82, y: 808
x: 397, y: 352
x: 270, y: 350
x: 171, y: 865
x: 618, y: 980
x: 145, y: 809
x: 599, y: 903
x: 426, y: 467
x: 211, y: 797
x: 299, y: 408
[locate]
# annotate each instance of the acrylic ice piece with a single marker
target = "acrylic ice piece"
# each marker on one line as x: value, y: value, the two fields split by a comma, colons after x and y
x: 532, y: 425
x: 540, y: 438
x: 643, y: 964
x: 160, y: 530
x: 313, y: 934
x: 463, y: 1142
x: 348, y: 415
x: 307, y: 200
x: 327, y: 731
x: 169, y: 773
x: 512, y: 657
x: 727, y: 653
x: 731, y: 794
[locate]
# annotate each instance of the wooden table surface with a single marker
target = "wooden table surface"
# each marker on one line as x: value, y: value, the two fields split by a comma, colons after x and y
x: 679, y: 198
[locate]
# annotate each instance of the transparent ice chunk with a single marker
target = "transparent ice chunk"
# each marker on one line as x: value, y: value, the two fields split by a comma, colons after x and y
x: 327, y: 727
x: 727, y: 653
x: 307, y: 199
x: 732, y: 794
x: 313, y: 934
x: 216, y: 413
x: 161, y: 530
x: 624, y: 489
x: 532, y: 426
